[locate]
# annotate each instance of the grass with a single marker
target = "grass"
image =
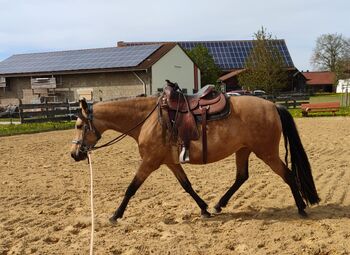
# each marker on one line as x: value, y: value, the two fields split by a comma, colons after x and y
x: 344, y: 111
x: 321, y: 98
x: 9, y: 119
x: 30, y: 128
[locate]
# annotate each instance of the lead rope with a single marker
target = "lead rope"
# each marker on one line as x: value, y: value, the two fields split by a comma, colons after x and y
x: 92, y: 206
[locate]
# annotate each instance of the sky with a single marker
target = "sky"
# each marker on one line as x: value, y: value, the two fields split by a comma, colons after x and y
x: 28, y: 26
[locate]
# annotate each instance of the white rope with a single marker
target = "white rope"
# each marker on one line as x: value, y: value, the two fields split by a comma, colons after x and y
x: 92, y: 207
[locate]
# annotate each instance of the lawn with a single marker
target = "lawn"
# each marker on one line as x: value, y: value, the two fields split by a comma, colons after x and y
x: 322, y: 98
x: 29, y: 128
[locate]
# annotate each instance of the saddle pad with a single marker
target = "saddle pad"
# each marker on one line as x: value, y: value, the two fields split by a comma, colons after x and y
x: 217, y: 116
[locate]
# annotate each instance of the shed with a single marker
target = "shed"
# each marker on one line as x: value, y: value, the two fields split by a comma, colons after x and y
x: 320, y: 81
x: 98, y: 74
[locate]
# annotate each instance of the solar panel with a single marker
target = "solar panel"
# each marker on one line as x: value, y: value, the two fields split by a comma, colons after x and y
x: 112, y: 57
x: 232, y: 54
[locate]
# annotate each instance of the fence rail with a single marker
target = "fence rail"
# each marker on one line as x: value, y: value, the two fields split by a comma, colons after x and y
x: 30, y: 113
x: 289, y: 100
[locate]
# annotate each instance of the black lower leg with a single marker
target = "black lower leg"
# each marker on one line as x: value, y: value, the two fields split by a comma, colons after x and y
x: 131, y: 190
x: 241, y: 176
x: 188, y: 188
x: 186, y: 185
x: 225, y: 198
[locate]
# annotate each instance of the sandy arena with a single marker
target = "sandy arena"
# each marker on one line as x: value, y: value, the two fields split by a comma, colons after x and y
x: 45, y: 202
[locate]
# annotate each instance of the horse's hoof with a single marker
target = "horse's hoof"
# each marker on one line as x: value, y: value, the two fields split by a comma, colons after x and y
x: 205, y: 214
x: 302, y: 213
x: 217, y: 209
x: 113, y: 220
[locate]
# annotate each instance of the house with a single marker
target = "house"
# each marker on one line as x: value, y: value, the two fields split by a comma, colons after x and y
x: 96, y: 74
x: 230, y: 57
x: 343, y: 86
x: 320, y: 81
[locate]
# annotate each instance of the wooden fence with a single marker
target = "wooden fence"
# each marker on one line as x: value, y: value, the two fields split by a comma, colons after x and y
x: 29, y: 113
x: 65, y: 111
x: 289, y: 100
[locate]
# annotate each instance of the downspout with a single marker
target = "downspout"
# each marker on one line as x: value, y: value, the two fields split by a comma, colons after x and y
x: 143, y: 83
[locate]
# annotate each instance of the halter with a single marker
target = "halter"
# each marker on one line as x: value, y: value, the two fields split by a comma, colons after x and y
x: 88, y: 126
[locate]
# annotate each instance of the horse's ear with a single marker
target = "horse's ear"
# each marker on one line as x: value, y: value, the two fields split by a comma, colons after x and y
x: 83, y: 105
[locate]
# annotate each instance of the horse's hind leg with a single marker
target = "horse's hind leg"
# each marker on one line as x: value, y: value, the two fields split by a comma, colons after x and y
x: 241, y: 176
x: 141, y: 175
x: 287, y: 175
x: 186, y: 184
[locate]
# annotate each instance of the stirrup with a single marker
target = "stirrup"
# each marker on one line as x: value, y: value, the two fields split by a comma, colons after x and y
x: 184, y: 155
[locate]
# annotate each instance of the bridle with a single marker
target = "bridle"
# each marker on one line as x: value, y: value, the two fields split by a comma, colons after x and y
x: 87, y: 127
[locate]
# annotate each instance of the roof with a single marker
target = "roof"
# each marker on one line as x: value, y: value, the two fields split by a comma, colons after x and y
x: 112, y: 58
x: 319, y: 78
x: 231, y: 74
x: 227, y: 55
x: 236, y: 72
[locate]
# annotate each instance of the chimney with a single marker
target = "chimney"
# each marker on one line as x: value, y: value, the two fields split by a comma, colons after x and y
x: 121, y: 44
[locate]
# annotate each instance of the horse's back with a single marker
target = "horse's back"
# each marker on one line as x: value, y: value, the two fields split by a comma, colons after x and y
x: 249, y: 106
x: 259, y: 122
x: 253, y: 123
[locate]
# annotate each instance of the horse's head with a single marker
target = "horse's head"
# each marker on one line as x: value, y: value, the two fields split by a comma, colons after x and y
x: 86, y: 133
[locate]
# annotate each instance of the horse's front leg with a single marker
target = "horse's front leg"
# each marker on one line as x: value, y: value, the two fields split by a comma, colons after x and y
x: 186, y: 184
x: 144, y: 170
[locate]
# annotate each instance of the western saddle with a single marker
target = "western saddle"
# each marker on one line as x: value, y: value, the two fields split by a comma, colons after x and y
x: 186, y: 111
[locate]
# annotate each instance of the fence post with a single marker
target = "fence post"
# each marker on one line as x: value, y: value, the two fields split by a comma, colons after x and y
x: 69, y: 109
x: 47, y: 109
x: 20, y: 111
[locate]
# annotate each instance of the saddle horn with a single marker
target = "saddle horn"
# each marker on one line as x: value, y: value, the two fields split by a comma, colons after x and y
x: 174, y: 85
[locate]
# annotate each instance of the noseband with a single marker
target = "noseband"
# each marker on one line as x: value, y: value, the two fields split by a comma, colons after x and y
x: 88, y: 126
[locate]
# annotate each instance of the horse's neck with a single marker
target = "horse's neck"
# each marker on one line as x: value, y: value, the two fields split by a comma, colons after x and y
x: 123, y: 115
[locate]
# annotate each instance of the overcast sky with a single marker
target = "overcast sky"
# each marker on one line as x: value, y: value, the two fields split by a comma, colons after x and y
x: 48, y: 25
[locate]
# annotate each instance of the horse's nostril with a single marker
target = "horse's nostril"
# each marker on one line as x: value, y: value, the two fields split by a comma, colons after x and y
x: 74, y: 156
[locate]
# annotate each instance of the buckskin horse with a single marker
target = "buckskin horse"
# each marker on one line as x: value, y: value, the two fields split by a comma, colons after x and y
x: 253, y: 125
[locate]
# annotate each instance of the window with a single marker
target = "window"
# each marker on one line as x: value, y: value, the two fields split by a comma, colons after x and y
x: 2, y: 82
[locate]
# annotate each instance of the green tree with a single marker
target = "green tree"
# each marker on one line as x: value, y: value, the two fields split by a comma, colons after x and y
x: 209, y: 70
x: 342, y: 69
x: 331, y: 52
x: 265, y: 66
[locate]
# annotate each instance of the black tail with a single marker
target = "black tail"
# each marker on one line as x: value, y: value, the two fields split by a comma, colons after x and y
x: 300, y: 163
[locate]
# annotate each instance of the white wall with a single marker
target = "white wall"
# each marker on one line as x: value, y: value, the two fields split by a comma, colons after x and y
x: 175, y: 66
x: 343, y: 86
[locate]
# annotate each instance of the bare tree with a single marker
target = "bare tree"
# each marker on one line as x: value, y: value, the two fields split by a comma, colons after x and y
x: 330, y: 52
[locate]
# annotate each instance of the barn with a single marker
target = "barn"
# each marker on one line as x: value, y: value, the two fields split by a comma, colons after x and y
x: 230, y: 56
x: 96, y: 74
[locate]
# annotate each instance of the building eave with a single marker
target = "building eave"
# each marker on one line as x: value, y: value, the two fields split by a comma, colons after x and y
x: 85, y: 71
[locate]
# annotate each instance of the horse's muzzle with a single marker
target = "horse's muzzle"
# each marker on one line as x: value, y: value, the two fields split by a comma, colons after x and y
x: 78, y: 156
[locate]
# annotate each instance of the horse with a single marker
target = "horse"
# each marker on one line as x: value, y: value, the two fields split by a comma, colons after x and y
x: 254, y: 125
